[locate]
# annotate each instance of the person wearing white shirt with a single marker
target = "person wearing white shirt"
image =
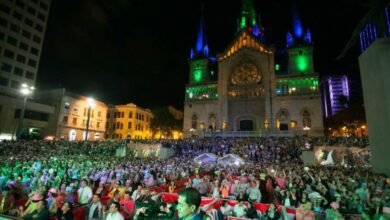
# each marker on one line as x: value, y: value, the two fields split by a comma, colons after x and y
x: 84, y: 193
x: 113, y: 212
x: 240, y: 210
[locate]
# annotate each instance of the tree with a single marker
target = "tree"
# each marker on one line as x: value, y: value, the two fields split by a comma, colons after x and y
x: 163, y: 121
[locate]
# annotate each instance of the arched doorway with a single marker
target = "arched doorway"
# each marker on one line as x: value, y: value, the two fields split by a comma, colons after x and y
x: 246, y: 125
x: 72, y: 135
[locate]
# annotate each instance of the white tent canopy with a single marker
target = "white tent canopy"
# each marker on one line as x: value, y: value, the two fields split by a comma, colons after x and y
x: 231, y: 159
x: 206, y: 157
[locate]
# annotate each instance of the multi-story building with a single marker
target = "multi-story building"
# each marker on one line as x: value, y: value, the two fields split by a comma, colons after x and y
x: 128, y: 122
x: 336, y: 92
x: 243, y: 95
x: 75, y: 116
x: 22, y: 30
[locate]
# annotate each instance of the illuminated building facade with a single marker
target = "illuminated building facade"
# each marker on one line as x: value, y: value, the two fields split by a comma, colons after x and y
x: 336, y: 94
x: 128, y: 122
x: 70, y: 118
x: 239, y: 92
x: 22, y: 30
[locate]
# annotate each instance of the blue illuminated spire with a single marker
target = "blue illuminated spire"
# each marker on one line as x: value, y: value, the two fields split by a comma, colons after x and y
x: 297, y: 25
x: 289, y: 39
x: 298, y: 36
x: 307, y: 38
x: 201, y: 47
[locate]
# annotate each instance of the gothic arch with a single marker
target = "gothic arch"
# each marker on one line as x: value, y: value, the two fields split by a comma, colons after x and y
x: 306, y: 118
x: 194, y: 121
x: 212, y: 120
x: 283, y: 115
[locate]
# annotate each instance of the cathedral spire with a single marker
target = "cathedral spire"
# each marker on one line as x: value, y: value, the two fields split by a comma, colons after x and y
x: 249, y: 20
x: 297, y: 36
x: 201, y: 47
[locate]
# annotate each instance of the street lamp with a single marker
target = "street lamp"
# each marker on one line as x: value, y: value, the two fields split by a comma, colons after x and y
x: 306, y: 129
x: 91, y: 103
x: 25, y: 90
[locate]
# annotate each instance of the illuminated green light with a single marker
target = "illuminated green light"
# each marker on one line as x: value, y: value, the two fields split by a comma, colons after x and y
x: 302, y: 63
x: 198, y: 74
x: 277, y: 67
x: 243, y: 22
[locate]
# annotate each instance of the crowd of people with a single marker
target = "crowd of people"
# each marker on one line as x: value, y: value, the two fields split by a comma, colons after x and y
x: 56, y: 176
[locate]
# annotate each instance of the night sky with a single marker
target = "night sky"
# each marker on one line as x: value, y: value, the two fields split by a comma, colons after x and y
x: 122, y: 51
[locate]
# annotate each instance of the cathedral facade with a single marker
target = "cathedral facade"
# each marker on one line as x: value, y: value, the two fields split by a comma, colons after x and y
x: 240, y: 93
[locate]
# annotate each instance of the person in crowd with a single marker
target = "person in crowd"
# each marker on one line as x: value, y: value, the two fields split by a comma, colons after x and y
x: 84, y: 193
x: 94, y: 210
x: 127, y: 206
x: 65, y: 213
x: 240, y: 210
x: 52, y: 200
x: 171, y: 187
x: 272, y: 213
x: 333, y: 212
x: 41, y: 212
x: 226, y: 209
x: 113, y: 212
x: 7, y: 200
x: 100, y: 190
x: 304, y: 212
x: 188, y: 204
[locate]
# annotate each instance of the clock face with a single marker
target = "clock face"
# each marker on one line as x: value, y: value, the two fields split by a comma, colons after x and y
x: 197, y: 75
x: 245, y: 74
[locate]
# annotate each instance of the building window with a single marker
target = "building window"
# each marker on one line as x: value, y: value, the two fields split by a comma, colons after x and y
x: 30, y: 75
x: 9, y: 54
x: 107, y: 125
x: 44, y: 6
x: 41, y: 17
x: 65, y: 120
x: 84, y: 122
x: 32, y: 63
x: 12, y: 41
x: 74, y: 121
x: 26, y: 34
x: 130, y: 114
x: 3, y: 22
x: 31, y: 10
x: 5, y: 8
x: 108, y: 115
x: 194, y: 122
x: 122, y: 114
x: 20, y: 4
x: 23, y: 46
x: 6, y: 67
x: 21, y: 58
x: 97, y: 124
x: 34, y: 51
x: 18, y: 71
x: 29, y: 22
x: 17, y: 16
x: 99, y: 114
x: 39, y: 27
x: 3, y: 81
x: 85, y: 112
x: 129, y: 125
x: 15, y: 84
x: 15, y: 28
x: 118, y: 125
x: 37, y: 39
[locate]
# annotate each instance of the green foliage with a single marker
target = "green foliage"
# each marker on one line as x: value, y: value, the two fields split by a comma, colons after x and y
x: 163, y: 121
